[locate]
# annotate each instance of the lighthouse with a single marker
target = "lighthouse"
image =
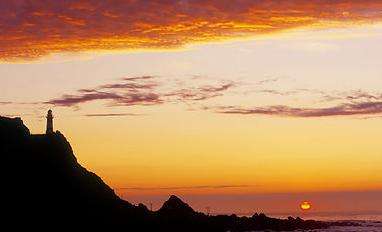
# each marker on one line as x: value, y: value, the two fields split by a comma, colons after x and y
x: 49, y: 122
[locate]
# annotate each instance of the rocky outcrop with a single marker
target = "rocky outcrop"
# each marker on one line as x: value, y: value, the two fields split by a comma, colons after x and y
x: 175, y: 206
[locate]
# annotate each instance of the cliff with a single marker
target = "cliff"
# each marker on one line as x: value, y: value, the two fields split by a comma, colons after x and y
x: 44, y: 184
x: 45, y: 188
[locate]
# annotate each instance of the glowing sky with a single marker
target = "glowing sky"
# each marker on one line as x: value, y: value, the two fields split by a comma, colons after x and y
x: 31, y: 29
x: 229, y: 103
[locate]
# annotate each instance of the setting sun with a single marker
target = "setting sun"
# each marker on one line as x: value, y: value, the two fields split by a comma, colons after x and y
x: 305, y: 205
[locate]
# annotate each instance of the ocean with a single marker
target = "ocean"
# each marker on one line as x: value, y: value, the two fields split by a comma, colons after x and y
x: 366, y: 222
x: 365, y: 226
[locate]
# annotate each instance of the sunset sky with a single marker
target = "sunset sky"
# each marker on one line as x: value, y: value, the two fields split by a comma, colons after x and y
x: 240, y: 105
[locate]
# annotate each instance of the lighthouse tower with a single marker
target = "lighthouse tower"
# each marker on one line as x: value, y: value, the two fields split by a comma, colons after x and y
x: 49, y: 122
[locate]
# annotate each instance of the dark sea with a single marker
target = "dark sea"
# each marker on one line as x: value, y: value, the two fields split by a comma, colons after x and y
x: 367, y: 222
x: 370, y: 226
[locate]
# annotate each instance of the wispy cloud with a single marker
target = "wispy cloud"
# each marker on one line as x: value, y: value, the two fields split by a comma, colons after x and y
x: 150, y: 90
x: 360, y: 108
x: 134, y: 83
x: 146, y: 90
x: 326, y: 96
x: 268, y: 80
x: 126, y: 99
x: 139, y: 78
x: 112, y: 115
x: 278, y: 92
x: 200, y: 93
x: 343, y: 103
x: 20, y: 103
x: 33, y: 29
x: 359, y: 94
x: 130, y: 86
x: 5, y: 102
x: 130, y: 91
x: 186, y: 187
x: 90, y: 95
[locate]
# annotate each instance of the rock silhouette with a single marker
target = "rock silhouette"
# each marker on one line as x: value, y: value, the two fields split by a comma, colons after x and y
x: 45, y: 188
x: 175, y: 206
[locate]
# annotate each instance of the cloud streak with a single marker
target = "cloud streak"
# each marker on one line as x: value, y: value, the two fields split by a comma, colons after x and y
x: 200, y: 93
x: 151, y: 90
x: 146, y: 90
x: 111, y: 115
x: 186, y: 187
x: 90, y: 95
x: 130, y: 91
x: 360, y: 108
x: 5, y: 102
x: 33, y: 29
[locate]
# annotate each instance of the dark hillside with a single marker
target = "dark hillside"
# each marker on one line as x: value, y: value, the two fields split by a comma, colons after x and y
x: 43, y: 187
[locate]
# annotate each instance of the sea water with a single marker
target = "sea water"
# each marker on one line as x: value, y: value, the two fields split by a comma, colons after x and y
x: 364, y: 226
x: 366, y: 222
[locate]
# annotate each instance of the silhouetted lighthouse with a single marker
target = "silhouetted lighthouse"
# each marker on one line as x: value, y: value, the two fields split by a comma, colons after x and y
x: 49, y: 122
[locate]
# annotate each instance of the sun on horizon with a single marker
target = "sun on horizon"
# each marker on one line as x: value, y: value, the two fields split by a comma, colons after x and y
x: 306, y: 205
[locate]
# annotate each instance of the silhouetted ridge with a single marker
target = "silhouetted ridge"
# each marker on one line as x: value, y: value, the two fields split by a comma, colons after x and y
x: 175, y: 205
x: 46, y: 185
x: 44, y: 188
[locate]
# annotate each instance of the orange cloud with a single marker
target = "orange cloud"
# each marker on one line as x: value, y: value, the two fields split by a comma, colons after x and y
x: 33, y: 29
